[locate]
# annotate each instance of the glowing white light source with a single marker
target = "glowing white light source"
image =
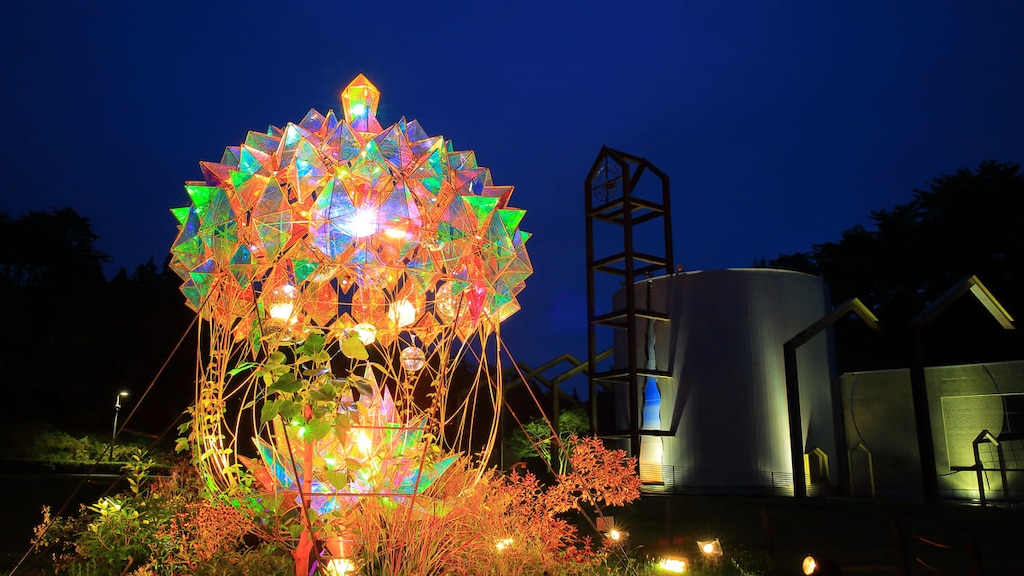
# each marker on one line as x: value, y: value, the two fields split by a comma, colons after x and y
x: 340, y: 566
x: 396, y: 232
x: 367, y: 333
x: 615, y: 534
x: 357, y: 109
x: 363, y: 222
x: 504, y: 543
x: 672, y: 565
x: 819, y: 566
x: 710, y: 547
x: 281, y: 303
x: 364, y: 443
x: 402, y: 313
x: 281, y: 311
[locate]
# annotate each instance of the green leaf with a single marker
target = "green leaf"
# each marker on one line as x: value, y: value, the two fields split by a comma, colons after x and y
x: 342, y: 424
x: 242, y: 368
x: 286, y: 383
x: 351, y: 347
x: 337, y: 478
x: 182, y: 445
x: 323, y: 392
x: 288, y: 410
x: 317, y: 429
x: 362, y: 385
x: 269, y: 411
x: 314, y: 343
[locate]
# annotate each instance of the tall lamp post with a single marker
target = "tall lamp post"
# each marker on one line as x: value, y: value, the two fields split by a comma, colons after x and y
x: 117, y: 409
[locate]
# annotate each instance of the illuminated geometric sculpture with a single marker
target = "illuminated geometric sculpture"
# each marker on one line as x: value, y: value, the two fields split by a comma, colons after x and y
x: 304, y: 247
x: 334, y: 223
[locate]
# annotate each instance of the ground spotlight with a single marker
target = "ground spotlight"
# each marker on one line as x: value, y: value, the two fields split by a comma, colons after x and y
x: 820, y: 566
x: 710, y: 548
x: 668, y: 564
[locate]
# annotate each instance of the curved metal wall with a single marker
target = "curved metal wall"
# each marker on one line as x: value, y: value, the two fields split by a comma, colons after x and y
x: 726, y: 402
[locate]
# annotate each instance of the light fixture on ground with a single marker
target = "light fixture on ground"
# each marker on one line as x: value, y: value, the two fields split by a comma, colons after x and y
x: 816, y: 565
x: 710, y: 548
x: 676, y: 565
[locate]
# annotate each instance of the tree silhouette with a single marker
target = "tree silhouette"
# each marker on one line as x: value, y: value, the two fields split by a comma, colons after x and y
x: 73, y: 339
x: 968, y: 222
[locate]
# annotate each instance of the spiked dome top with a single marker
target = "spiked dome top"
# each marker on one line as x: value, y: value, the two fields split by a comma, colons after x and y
x: 342, y: 223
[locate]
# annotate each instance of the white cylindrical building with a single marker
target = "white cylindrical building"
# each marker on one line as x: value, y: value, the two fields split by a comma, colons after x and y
x: 724, y: 410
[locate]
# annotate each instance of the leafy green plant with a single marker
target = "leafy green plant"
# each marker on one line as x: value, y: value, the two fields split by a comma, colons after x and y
x: 535, y: 436
x: 157, y: 526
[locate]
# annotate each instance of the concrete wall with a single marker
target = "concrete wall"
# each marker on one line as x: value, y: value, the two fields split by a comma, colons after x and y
x: 725, y: 405
x: 963, y: 401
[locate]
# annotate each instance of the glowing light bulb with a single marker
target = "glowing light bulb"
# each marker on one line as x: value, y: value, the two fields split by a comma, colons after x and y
x: 340, y: 567
x: 281, y: 311
x: 708, y: 548
x: 363, y: 222
x: 364, y: 443
x: 402, y: 313
x: 281, y: 303
x: 367, y: 333
x: 615, y: 534
x: 395, y: 232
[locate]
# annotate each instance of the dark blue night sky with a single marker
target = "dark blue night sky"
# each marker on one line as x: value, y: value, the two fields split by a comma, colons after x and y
x: 780, y: 123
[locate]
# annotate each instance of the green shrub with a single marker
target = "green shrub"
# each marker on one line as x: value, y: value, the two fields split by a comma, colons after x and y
x: 158, y: 526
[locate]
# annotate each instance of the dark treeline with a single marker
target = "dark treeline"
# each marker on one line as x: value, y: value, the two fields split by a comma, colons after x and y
x: 73, y: 339
x: 967, y: 223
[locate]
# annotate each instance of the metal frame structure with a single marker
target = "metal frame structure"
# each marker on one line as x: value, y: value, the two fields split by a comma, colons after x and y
x: 852, y: 306
x: 609, y: 191
x: 919, y: 384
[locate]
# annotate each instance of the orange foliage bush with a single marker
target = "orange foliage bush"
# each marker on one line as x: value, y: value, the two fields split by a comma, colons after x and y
x: 501, y: 525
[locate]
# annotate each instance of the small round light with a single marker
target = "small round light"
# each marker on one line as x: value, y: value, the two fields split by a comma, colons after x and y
x: 413, y: 359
